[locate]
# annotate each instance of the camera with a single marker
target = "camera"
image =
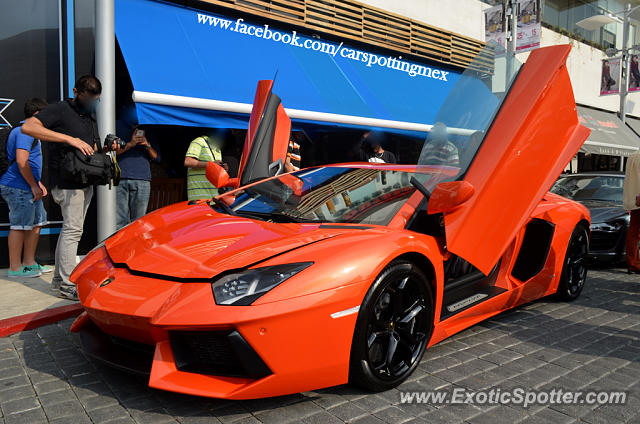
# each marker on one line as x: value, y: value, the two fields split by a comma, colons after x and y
x: 112, y: 138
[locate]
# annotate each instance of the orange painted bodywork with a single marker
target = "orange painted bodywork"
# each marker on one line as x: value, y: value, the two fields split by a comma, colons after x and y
x: 534, y: 136
x: 282, y: 130
x: 290, y: 327
x: 155, y: 275
x: 259, y: 103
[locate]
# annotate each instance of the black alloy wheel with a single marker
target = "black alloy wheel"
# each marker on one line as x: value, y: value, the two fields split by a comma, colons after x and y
x: 393, y: 328
x: 574, y: 270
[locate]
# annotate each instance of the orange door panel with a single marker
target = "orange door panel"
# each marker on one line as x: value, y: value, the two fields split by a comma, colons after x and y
x: 533, y: 137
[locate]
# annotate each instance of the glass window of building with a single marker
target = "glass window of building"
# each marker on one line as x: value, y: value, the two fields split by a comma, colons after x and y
x: 562, y: 16
x: 85, y: 24
x: 29, y: 53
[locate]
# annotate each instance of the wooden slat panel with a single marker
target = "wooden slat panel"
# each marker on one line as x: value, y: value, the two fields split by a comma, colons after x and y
x: 348, y: 13
x: 419, y: 45
x: 313, y: 16
x: 283, y: 4
x: 272, y: 7
x: 355, y: 21
x: 390, y: 42
x: 279, y: 16
x: 344, y: 4
x: 388, y: 31
x: 323, y: 26
x: 336, y: 19
x: 388, y: 28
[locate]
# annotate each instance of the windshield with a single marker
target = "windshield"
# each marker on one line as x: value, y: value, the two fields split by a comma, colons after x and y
x: 468, y: 111
x: 324, y: 195
x: 600, y: 188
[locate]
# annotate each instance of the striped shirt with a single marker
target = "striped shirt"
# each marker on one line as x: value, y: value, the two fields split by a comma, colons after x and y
x: 293, y: 153
x: 440, y: 153
x: 203, y: 149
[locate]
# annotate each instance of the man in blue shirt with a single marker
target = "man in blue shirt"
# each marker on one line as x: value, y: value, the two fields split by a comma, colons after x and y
x: 133, y: 192
x: 21, y: 188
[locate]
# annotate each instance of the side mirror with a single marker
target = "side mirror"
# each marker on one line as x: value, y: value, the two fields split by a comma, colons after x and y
x: 449, y: 195
x: 216, y: 174
x: 294, y: 183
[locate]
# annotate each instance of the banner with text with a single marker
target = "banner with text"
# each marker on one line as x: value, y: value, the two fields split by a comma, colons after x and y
x: 528, y: 34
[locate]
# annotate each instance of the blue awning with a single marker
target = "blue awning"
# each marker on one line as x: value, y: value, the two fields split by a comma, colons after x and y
x: 175, y: 52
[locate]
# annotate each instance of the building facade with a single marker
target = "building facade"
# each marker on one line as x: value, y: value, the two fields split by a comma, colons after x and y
x: 46, y: 44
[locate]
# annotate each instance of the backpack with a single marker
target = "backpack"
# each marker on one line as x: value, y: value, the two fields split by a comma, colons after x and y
x: 5, y: 163
x: 4, y: 158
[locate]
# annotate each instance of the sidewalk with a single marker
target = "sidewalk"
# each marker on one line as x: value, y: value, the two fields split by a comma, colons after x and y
x: 29, y: 302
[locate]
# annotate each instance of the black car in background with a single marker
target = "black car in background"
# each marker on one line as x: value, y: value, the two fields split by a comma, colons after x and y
x: 601, y: 193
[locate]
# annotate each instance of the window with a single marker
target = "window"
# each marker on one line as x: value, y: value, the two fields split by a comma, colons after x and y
x: 29, y: 53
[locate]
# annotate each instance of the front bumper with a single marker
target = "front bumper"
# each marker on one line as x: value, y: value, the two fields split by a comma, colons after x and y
x: 607, y: 245
x: 178, y: 335
x: 224, y: 353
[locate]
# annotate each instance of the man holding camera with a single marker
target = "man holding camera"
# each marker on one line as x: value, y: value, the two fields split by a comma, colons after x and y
x: 133, y: 157
x: 68, y: 125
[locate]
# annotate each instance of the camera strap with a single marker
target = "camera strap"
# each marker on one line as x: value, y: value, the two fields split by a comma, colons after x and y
x: 96, y: 136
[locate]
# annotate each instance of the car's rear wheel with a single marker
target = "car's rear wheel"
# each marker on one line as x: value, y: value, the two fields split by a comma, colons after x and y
x: 574, y: 269
x: 393, y: 327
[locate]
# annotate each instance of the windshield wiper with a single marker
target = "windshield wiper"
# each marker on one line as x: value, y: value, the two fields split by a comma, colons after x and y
x: 223, y: 206
x: 288, y: 218
x: 275, y: 216
x: 420, y: 187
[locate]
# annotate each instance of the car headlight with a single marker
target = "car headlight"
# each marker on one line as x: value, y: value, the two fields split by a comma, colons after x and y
x: 243, y: 288
x: 609, y: 227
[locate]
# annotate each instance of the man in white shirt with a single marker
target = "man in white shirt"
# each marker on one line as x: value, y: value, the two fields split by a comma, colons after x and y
x: 631, y: 200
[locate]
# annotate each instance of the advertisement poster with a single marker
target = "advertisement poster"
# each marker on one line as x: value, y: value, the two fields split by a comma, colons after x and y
x: 634, y: 74
x: 494, y: 27
x: 528, y: 34
x: 610, y: 77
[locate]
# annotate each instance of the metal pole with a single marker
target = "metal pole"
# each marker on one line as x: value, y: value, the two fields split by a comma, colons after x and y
x: 60, y: 47
x: 624, y: 64
x: 512, y: 19
x: 105, y: 71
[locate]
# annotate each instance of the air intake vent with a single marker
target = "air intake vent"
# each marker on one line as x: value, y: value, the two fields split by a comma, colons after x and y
x: 224, y: 353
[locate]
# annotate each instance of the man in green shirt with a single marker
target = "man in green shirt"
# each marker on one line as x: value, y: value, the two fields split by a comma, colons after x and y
x: 207, y: 148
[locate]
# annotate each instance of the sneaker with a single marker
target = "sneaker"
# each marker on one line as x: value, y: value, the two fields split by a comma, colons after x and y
x: 25, y: 272
x: 68, y: 293
x: 56, y: 283
x: 45, y: 269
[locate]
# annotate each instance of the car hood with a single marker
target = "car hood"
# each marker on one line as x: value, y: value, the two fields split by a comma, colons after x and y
x: 194, y: 242
x: 604, y: 211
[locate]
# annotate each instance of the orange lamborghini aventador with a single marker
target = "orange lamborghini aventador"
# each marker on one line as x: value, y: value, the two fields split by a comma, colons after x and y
x: 347, y: 273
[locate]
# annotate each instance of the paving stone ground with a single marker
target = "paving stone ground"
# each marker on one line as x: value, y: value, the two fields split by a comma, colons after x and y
x: 590, y: 344
x: 27, y: 295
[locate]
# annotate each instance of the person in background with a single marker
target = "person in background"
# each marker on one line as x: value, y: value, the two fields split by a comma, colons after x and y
x: 438, y: 149
x: 631, y: 201
x: 23, y: 191
x: 68, y: 125
x: 293, y: 155
x: 635, y: 72
x: 203, y: 149
x: 135, y: 182
x: 233, y: 151
x: 372, y: 150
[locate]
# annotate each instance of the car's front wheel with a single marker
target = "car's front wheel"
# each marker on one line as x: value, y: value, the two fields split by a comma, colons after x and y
x: 574, y: 269
x: 393, y: 328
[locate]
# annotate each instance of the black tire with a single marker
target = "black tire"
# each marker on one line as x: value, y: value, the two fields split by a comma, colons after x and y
x: 397, y: 313
x: 574, y: 268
